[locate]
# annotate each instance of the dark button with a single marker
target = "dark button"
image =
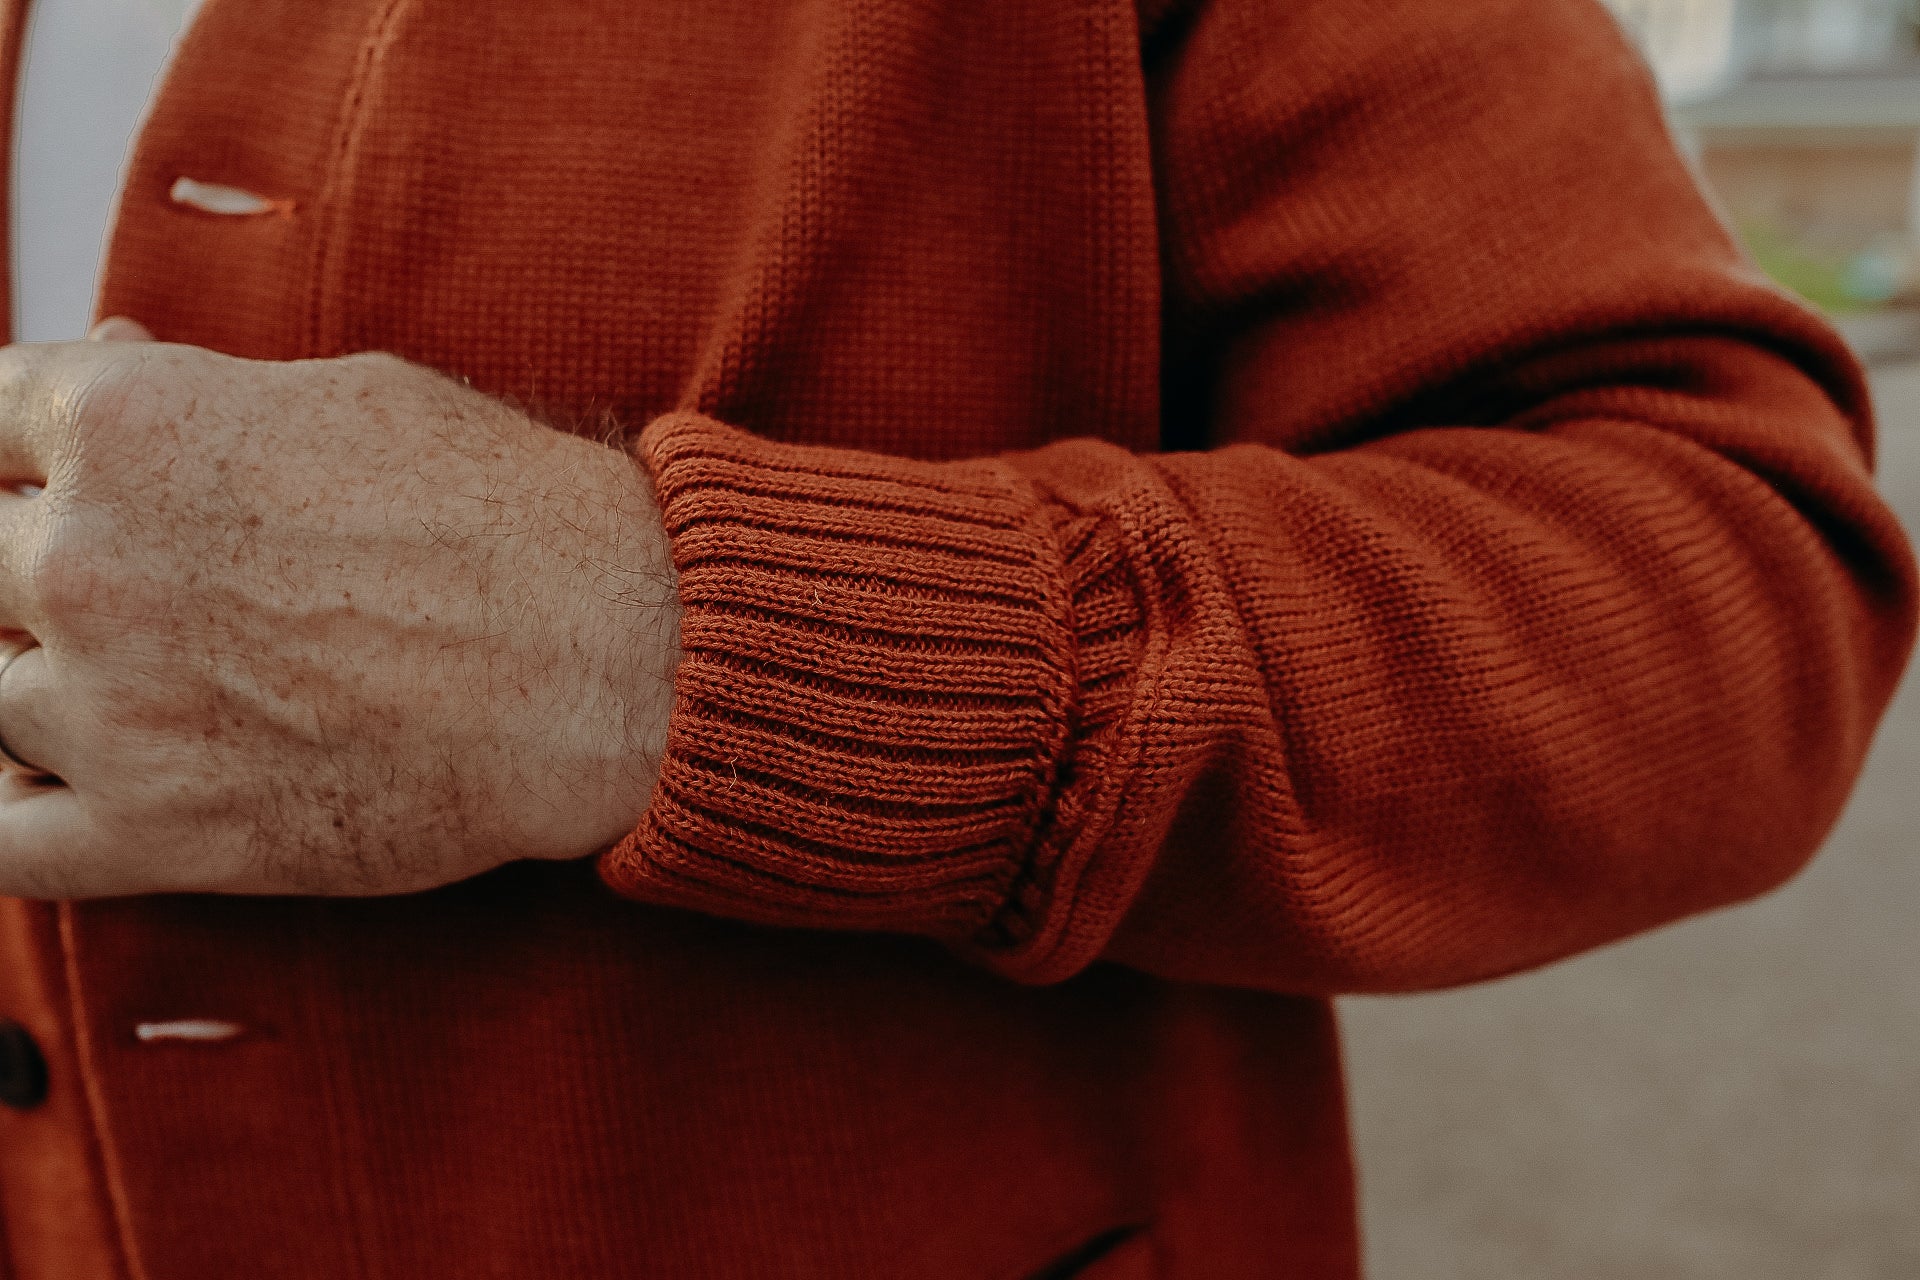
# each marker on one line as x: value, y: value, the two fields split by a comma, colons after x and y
x: 23, y: 1072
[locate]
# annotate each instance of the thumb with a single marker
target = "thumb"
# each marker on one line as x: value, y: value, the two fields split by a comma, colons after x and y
x: 119, y: 329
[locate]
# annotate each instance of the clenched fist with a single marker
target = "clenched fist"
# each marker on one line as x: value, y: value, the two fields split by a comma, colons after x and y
x: 332, y: 626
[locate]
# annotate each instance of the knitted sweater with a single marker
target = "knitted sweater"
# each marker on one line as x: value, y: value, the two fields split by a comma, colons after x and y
x: 1182, y: 510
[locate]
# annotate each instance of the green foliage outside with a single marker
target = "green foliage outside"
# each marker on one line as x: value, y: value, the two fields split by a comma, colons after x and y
x: 1834, y: 282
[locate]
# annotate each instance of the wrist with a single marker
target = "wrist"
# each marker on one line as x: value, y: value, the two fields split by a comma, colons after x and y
x: 609, y: 730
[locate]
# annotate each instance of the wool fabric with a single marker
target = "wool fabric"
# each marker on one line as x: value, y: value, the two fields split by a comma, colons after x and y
x: 1182, y: 510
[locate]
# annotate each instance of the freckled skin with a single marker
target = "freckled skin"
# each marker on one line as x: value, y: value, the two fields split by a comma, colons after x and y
x: 339, y: 627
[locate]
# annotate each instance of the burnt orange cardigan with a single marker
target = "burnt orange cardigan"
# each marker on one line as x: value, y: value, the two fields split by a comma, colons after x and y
x: 1182, y: 510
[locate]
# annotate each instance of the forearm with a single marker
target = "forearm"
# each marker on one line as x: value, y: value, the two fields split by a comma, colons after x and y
x: 1549, y: 599
x: 1481, y: 699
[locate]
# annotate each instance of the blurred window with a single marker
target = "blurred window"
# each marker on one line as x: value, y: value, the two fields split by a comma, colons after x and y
x: 1699, y: 47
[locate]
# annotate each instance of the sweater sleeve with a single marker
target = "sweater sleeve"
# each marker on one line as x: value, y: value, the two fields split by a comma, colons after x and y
x: 1514, y: 579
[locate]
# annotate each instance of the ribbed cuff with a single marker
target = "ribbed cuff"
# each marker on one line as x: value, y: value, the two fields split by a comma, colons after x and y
x: 888, y: 669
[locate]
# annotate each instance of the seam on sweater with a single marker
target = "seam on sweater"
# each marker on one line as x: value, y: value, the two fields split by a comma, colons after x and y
x: 329, y: 202
x: 1036, y: 885
x: 1038, y: 871
x: 1043, y: 799
x: 1014, y: 922
x: 1147, y: 696
x: 99, y: 1139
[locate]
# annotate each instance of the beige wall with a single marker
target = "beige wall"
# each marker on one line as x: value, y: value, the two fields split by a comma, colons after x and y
x: 1838, y: 195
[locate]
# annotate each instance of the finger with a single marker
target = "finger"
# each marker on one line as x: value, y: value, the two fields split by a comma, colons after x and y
x: 23, y: 526
x: 42, y: 388
x: 25, y: 447
x: 32, y: 728
x: 47, y: 846
x: 119, y: 329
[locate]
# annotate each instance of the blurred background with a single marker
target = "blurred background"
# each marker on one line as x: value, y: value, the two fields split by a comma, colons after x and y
x: 1737, y: 1096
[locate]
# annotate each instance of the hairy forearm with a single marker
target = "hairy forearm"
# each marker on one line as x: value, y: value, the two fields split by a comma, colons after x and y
x: 332, y: 626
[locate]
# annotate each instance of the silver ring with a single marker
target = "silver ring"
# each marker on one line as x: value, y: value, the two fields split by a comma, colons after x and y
x: 6, y: 752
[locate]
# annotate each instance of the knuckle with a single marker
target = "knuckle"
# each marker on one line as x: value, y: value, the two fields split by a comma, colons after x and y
x: 18, y: 364
x: 71, y: 580
x: 29, y: 363
x: 100, y: 396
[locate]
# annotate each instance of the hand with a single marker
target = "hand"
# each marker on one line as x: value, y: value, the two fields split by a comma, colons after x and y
x: 332, y: 626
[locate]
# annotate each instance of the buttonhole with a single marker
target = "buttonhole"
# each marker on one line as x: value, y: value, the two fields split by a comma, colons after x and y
x: 232, y: 202
x: 200, y: 1030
